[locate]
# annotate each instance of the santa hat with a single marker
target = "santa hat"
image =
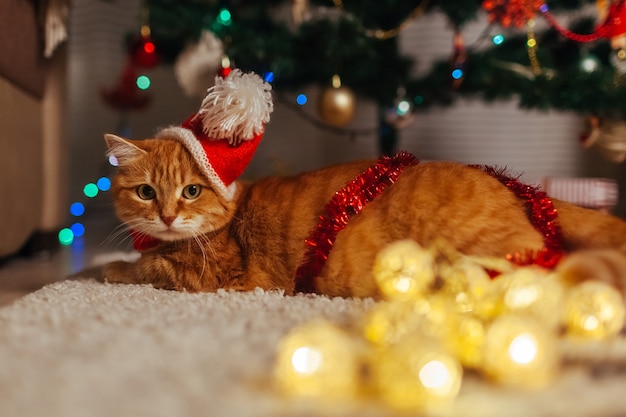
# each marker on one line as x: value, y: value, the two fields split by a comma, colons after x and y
x: 224, y: 134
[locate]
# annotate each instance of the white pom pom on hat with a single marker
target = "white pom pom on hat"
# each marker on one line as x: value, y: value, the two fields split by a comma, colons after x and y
x: 224, y: 134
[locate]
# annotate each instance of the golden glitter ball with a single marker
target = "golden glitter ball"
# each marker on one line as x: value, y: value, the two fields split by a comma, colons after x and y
x: 337, y: 106
x: 535, y: 292
x: 594, y: 309
x: 390, y: 322
x: 404, y: 270
x: 466, y: 283
x: 520, y: 351
x: 415, y: 374
x: 466, y: 339
x: 318, y: 359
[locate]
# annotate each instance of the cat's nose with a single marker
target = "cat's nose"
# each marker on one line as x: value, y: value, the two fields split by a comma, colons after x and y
x: 168, y: 220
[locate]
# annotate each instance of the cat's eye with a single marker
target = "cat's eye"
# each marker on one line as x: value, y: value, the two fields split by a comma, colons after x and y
x: 146, y: 192
x: 191, y: 192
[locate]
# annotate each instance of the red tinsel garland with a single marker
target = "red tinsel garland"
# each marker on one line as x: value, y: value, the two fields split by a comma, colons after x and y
x: 542, y: 215
x: 346, y: 203
x: 614, y: 25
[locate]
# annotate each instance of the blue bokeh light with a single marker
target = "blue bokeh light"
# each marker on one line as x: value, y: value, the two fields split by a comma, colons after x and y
x: 301, y: 99
x: 78, y: 229
x: 498, y: 39
x: 268, y: 76
x: 77, y: 209
x: 104, y: 184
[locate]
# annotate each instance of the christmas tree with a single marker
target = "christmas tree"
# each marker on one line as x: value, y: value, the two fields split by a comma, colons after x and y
x: 352, y: 50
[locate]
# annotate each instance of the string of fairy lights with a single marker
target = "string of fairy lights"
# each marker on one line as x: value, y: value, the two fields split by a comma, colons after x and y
x: 78, y: 209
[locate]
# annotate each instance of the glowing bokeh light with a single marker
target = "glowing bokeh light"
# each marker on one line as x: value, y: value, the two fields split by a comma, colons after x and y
x: 90, y: 190
x: 143, y: 82
x: 434, y: 375
x: 523, y: 349
x: 225, y: 17
x: 104, y: 184
x: 301, y: 99
x: 113, y: 160
x: 403, y: 108
x: 77, y: 209
x: 149, y: 47
x: 306, y: 360
x: 590, y: 64
x: 66, y: 236
x: 457, y: 74
x: 268, y: 76
x: 78, y: 229
x: 498, y: 39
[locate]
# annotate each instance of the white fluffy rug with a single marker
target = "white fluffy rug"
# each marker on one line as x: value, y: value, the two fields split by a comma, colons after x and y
x: 83, y: 348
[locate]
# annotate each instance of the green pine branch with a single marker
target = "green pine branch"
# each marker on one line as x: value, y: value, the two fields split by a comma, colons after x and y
x: 336, y: 43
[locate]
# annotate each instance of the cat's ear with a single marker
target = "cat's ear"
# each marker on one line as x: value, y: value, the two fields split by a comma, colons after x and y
x: 122, y: 149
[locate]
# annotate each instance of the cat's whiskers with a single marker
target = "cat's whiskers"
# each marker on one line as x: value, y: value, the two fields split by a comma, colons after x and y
x: 196, y: 238
x: 121, y: 233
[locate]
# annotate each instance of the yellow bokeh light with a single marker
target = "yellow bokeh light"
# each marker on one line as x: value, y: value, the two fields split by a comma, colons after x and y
x: 404, y: 270
x: 532, y: 291
x: 416, y: 373
x: 466, y: 339
x: 520, y: 351
x: 523, y: 349
x: 435, y: 376
x: 317, y: 359
x: 306, y: 360
x: 594, y: 309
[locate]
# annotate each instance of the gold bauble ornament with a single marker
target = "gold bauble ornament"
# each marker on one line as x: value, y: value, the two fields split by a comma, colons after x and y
x: 520, y: 351
x: 389, y: 322
x: 594, y: 309
x: 317, y: 359
x: 466, y: 338
x: 416, y: 373
x: 404, y: 270
x: 337, y: 106
x: 466, y: 283
x: 533, y: 291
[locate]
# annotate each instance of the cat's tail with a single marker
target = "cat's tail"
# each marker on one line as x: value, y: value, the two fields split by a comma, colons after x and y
x: 596, y: 245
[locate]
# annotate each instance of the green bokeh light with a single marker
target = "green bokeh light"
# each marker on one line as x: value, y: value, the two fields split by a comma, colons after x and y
x: 90, y: 190
x: 143, y: 82
x: 225, y: 17
x: 66, y: 236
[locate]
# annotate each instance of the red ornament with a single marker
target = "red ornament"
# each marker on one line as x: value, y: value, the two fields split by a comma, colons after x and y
x: 143, y: 53
x: 511, y: 12
x: 126, y: 95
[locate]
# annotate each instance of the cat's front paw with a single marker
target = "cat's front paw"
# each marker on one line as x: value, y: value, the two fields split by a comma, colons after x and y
x: 119, y: 272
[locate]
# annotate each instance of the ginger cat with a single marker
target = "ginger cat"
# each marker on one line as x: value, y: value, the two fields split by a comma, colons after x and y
x: 257, y: 239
